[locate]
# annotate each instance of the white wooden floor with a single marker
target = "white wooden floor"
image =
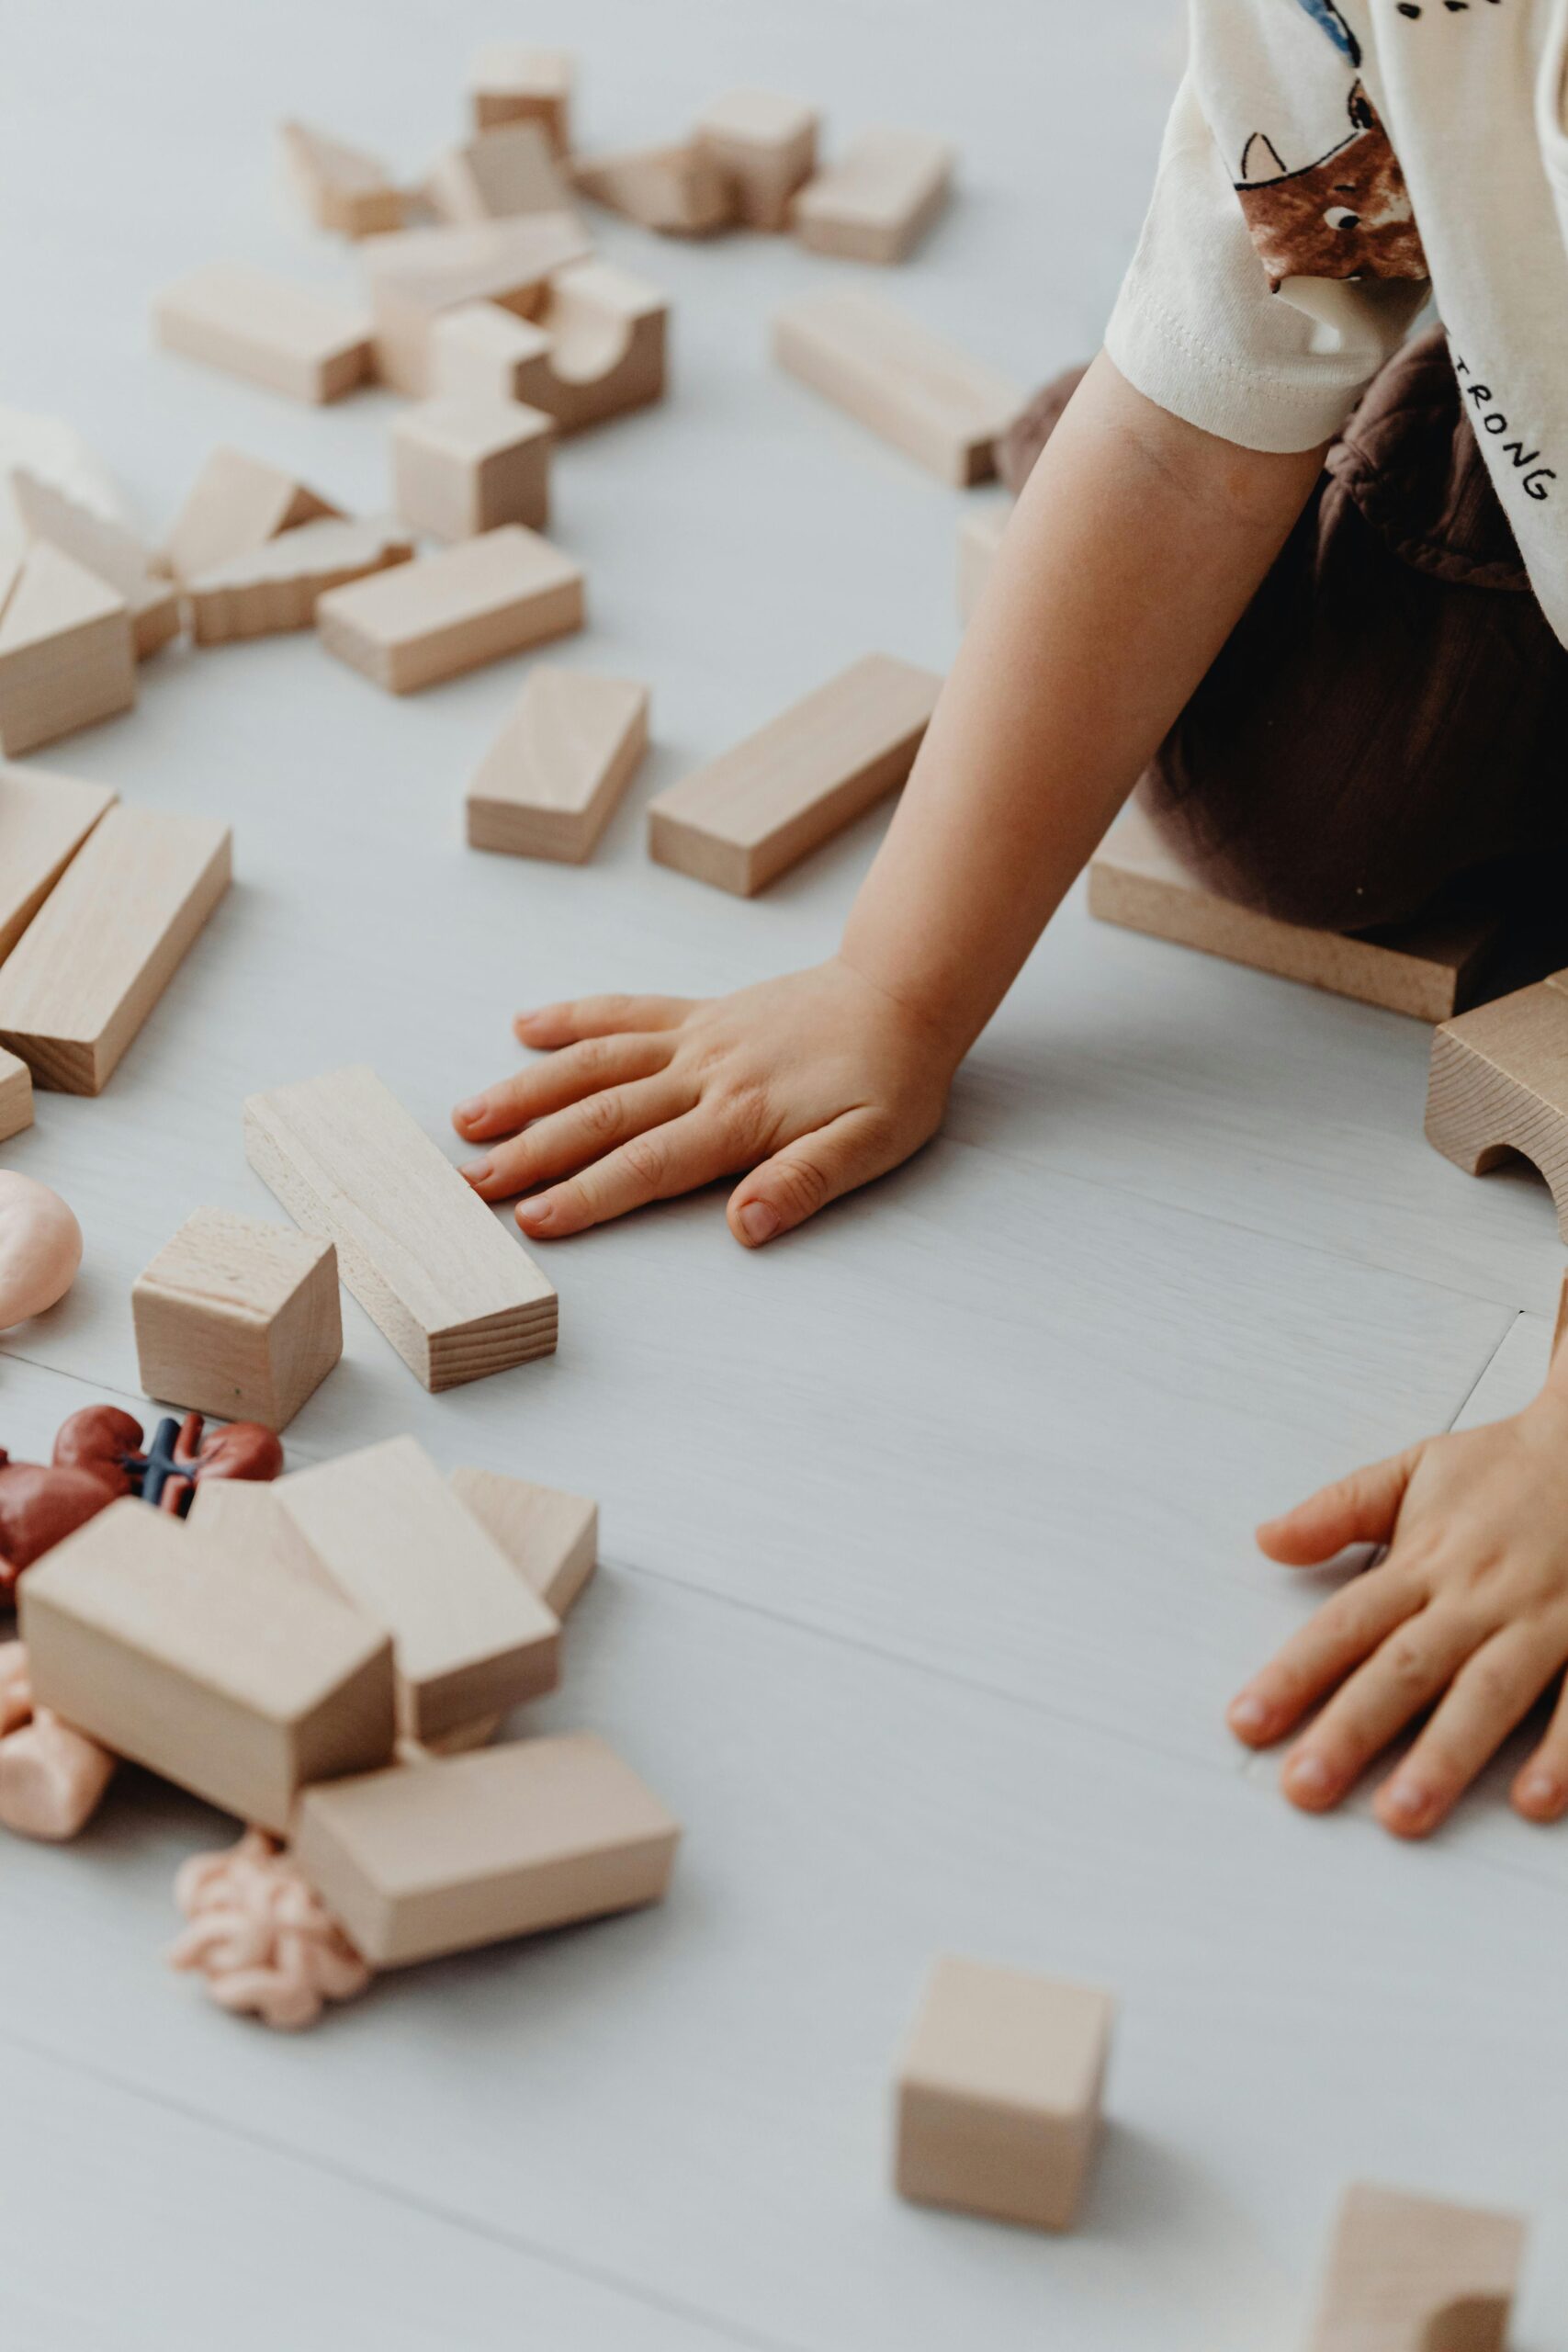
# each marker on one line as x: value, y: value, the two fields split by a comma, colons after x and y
x: 928, y: 1566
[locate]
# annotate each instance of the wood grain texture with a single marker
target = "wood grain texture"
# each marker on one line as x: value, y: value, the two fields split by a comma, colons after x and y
x: 294, y: 339
x: 105, y: 548
x: 550, y: 1537
x: 555, y: 775
x: 473, y: 602
x: 421, y: 1252
x: 510, y: 82
x: 464, y: 462
x: 419, y: 273
x: 235, y: 505
x: 44, y: 819
x: 1413, y: 2274
x: 340, y: 188
x: 679, y: 190
x: 276, y: 586
x: 765, y: 144
x: 879, y: 199
x: 67, y: 651
x: 1499, y: 1085
x: 16, y: 1096
x: 238, y: 1317
x: 904, y: 383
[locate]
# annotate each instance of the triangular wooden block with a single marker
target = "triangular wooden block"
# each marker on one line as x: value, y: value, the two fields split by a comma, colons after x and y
x: 67, y: 655
x: 340, y: 188
x: 44, y: 819
x: 1500, y: 1086
x: 236, y: 504
x: 106, y: 549
x: 276, y: 586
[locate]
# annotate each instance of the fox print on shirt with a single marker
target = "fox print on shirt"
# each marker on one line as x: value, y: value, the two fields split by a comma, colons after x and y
x: 1347, y: 214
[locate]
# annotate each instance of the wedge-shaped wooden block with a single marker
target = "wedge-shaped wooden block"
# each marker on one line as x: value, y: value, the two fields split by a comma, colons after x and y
x: 236, y: 505
x: 596, y: 348
x: 470, y: 1636
x: 556, y: 773
x: 241, y: 1687
x: 105, y: 548
x: 549, y: 1536
x: 979, y: 536
x: 998, y: 2094
x: 766, y: 145
x: 452, y: 612
x: 243, y: 1519
x: 16, y: 1095
x: 455, y: 1294
x: 681, y: 190
x: 238, y: 1317
x: 509, y: 82
x: 1425, y: 969
x: 509, y: 170
x: 340, y: 188
x: 67, y: 651
x: 107, y: 941
x: 466, y: 462
x: 1500, y: 1086
x: 294, y: 339
x: 743, y: 818
x: 1411, y: 2274
x: 420, y: 272
x: 878, y: 201
x: 44, y: 819
x: 276, y: 586
x: 471, y: 1849
x: 929, y: 398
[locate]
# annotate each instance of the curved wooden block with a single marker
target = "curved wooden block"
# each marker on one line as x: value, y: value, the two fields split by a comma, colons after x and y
x: 1499, y: 1087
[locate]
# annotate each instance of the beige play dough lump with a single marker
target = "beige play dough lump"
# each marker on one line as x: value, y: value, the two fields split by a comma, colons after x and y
x: 41, y: 1248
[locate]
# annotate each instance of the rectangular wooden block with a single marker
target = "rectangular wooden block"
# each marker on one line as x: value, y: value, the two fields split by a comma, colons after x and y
x: 107, y: 941
x: 467, y: 462
x: 998, y: 2094
x: 469, y: 1637
x: 1426, y: 971
x: 238, y: 1317
x: 501, y: 172
x: 1413, y: 2274
x: 554, y: 776
x: 878, y: 201
x: 234, y: 506
x: 433, y: 1269
x: 238, y: 1686
x: 294, y: 339
x: 454, y: 611
x: 471, y: 1849
x: 747, y: 816
x: 509, y: 82
x: 681, y: 190
x: 44, y: 819
x: 765, y: 144
x: 276, y: 586
x: 931, y: 401
x: 16, y: 1096
x: 340, y: 188
x: 979, y: 536
x: 549, y: 1536
x: 105, y: 548
x: 67, y: 651
x: 242, y: 1520
x: 420, y: 272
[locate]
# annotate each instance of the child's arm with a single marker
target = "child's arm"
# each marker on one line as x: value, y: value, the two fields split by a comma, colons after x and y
x: 1134, y: 549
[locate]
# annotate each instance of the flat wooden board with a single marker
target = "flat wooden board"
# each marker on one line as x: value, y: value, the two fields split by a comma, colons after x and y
x: 432, y: 619
x: 896, y: 376
x: 294, y: 339
x: 554, y: 776
x: 44, y: 819
x: 878, y: 201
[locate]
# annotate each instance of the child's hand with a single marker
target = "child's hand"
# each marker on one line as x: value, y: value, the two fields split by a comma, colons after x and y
x: 1468, y: 1613
x: 815, y: 1083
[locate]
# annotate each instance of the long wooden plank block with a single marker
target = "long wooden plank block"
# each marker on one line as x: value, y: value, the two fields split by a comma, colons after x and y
x: 744, y: 818
x: 44, y: 819
x: 421, y: 622
x: 107, y: 941
x: 426, y: 1260
x: 294, y: 339
x: 929, y: 400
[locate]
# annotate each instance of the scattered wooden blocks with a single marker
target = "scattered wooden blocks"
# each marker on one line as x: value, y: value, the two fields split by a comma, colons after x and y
x: 472, y: 1849
x: 106, y: 941
x: 937, y: 404
x: 679, y: 191
x: 457, y: 1297
x: 511, y: 83
x: 1411, y: 2274
x: 596, y: 348
x: 509, y: 170
x: 556, y: 773
x: 452, y: 612
x: 463, y: 463
x: 550, y: 1537
x: 276, y: 586
x: 1425, y: 970
x: 766, y: 145
x: 746, y: 817
x: 470, y: 1636
x: 420, y: 272
x: 979, y: 536
x: 878, y: 202
x: 1499, y: 1085
x: 238, y: 1318
x: 340, y: 188
x: 295, y: 340
x: 67, y: 651
x: 235, y: 505
x: 106, y: 549
x: 44, y: 819
x: 239, y: 1687
x: 998, y: 2094
x: 16, y: 1096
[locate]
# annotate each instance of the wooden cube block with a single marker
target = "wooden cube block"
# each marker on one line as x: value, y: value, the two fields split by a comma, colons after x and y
x: 67, y: 651
x: 238, y: 1686
x: 107, y: 941
x: 340, y: 186
x: 550, y: 1537
x: 680, y: 191
x: 235, y: 505
x: 277, y: 586
x: 237, y: 1317
x: 16, y: 1096
x: 44, y: 819
x: 979, y: 536
x: 596, y: 349
x: 452, y: 612
x: 470, y: 1636
x: 511, y: 83
x: 767, y: 147
x: 105, y: 548
x: 420, y: 272
x: 1500, y: 1086
x: 294, y: 339
x: 943, y: 409
x: 755, y: 810
x: 556, y: 773
x: 500, y: 172
x: 455, y: 1295
x: 462, y: 464
x: 471, y: 1849
x: 1411, y: 2274
x: 878, y: 201
x: 999, y: 2092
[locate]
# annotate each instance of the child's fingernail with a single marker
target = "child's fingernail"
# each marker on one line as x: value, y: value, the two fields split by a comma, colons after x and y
x: 535, y: 1213
x: 758, y: 1222
x: 1308, y: 1776
x: 1539, y: 1789
x: 477, y: 1170
x: 469, y: 1112
x: 1247, y: 1714
x: 1407, y: 1801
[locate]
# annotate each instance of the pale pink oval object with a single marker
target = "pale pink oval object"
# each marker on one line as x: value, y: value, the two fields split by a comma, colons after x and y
x: 41, y: 1248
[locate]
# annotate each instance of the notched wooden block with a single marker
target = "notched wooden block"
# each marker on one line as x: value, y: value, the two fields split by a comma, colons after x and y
x: 276, y: 586
x: 293, y: 339
x: 16, y: 1095
x: 509, y: 82
x: 67, y: 651
x: 340, y: 188
x: 596, y: 349
x: 468, y: 462
x: 680, y: 191
x: 556, y: 773
x: 1411, y: 2274
x: 879, y: 199
x: 44, y: 819
x: 238, y: 1317
x: 1500, y: 1086
x: 420, y: 273
x: 550, y: 1537
x: 941, y: 408
x: 235, y: 505
x: 766, y: 146
x: 471, y: 604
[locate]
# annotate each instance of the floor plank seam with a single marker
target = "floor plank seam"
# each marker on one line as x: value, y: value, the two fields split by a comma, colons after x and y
x: 1520, y: 1314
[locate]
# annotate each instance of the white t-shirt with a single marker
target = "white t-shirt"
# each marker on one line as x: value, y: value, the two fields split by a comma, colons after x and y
x: 1324, y: 160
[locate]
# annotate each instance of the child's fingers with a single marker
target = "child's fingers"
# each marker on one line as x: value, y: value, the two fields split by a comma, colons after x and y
x: 1541, y: 1788
x: 1411, y: 1668
x: 598, y: 1017
x: 1492, y: 1693
x: 677, y: 1158
x: 1360, y: 1509
x: 569, y: 1139
x: 550, y: 1085
x: 1345, y: 1631
x: 809, y: 1173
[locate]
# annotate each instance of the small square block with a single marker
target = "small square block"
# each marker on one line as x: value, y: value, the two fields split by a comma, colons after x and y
x: 468, y: 464
x: 238, y: 1317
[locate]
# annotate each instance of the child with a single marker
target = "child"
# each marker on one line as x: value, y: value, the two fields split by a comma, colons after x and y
x: 1312, y: 580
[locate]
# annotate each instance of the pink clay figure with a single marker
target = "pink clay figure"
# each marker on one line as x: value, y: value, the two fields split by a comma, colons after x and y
x: 262, y: 1937
x: 51, y: 1779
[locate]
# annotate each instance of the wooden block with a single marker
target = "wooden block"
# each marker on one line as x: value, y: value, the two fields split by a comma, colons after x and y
x: 469, y: 1637
x: 44, y: 819
x: 276, y: 586
x: 998, y: 2094
x: 452, y: 612
x: 241, y: 1687
x: 107, y: 941
x: 941, y: 407
x: 16, y: 1096
x: 294, y: 339
x: 500, y: 172
x: 67, y: 652
x: 235, y: 505
x: 1411, y: 2274
x: 596, y: 348
x: 237, y: 1317
x: 550, y: 1537
x: 511, y: 83
x: 340, y: 188
x: 878, y: 201
x: 767, y: 147
x: 455, y: 1294
x: 471, y: 1849
x: 420, y: 272
x: 1500, y: 1086
x: 979, y: 536
x: 1425, y: 970
x: 556, y: 773
x: 243, y: 1519
x: 105, y: 548
x: 679, y: 191
x: 463, y: 463
x: 461, y: 1742
x: 746, y: 817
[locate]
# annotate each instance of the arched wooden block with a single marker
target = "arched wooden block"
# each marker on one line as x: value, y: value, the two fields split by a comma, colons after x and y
x: 1411, y: 2274
x: 1500, y: 1086
x: 595, y: 348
